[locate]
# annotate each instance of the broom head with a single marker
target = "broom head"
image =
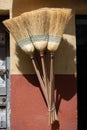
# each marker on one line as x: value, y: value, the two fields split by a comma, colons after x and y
x: 58, y: 21
x: 18, y: 30
x: 36, y: 22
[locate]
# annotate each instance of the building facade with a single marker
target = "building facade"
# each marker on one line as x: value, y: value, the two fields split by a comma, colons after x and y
x: 25, y: 108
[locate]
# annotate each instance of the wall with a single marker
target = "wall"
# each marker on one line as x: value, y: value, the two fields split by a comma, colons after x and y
x: 68, y: 43
x: 5, y: 4
x: 28, y: 109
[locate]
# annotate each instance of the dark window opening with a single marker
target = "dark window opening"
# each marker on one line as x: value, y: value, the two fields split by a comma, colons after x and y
x: 4, y: 80
x: 81, y: 43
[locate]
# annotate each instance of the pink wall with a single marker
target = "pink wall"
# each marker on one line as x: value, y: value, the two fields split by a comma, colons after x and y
x: 28, y: 108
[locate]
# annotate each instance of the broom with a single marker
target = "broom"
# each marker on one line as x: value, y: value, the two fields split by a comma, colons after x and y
x: 18, y: 29
x: 58, y: 20
x: 38, y: 32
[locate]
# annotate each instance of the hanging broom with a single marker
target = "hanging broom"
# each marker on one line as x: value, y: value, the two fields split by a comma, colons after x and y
x: 37, y: 26
x: 38, y: 32
x: 58, y: 20
x: 18, y: 29
x: 19, y: 32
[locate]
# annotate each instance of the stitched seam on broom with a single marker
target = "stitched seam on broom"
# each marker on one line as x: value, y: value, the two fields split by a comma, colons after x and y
x: 56, y: 39
x: 24, y: 42
x: 38, y: 38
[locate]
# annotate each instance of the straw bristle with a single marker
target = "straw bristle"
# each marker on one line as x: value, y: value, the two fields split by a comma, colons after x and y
x: 20, y: 34
x: 12, y: 28
x: 20, y: 28
x: 37, y: 27
x: 64, y: 19
x: 58, y: 20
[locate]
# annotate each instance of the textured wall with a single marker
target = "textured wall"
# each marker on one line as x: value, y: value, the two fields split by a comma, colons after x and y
x: 5, y: 4
x: 28, y: 108
x: 65, y: 57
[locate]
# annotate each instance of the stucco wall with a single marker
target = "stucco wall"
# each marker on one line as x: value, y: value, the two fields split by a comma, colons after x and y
x: 28, y: 109
x: 64, y: 62
x: 65, y: 58
x: 5, y: 4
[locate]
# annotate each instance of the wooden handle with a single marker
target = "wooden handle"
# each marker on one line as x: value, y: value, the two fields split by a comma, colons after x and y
x: 52, y: 111
x: 45, y: 76
x: 40, y: 79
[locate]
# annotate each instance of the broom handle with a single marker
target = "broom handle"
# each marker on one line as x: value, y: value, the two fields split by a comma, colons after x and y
x: 50, y: 89
x: 52, y: 109
x: 50, y: 102
x: 51, y: 80
x: 44, y: 70
x: 40, y: 79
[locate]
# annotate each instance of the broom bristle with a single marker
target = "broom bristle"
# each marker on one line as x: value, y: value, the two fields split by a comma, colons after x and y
x: 58, y: 20
x: 64, y: 19
x: 37, y: 27
x: 12, y: 28
x: 20, y: 34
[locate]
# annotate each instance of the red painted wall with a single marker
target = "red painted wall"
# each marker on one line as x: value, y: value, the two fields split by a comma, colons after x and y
x: 28, y: 108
